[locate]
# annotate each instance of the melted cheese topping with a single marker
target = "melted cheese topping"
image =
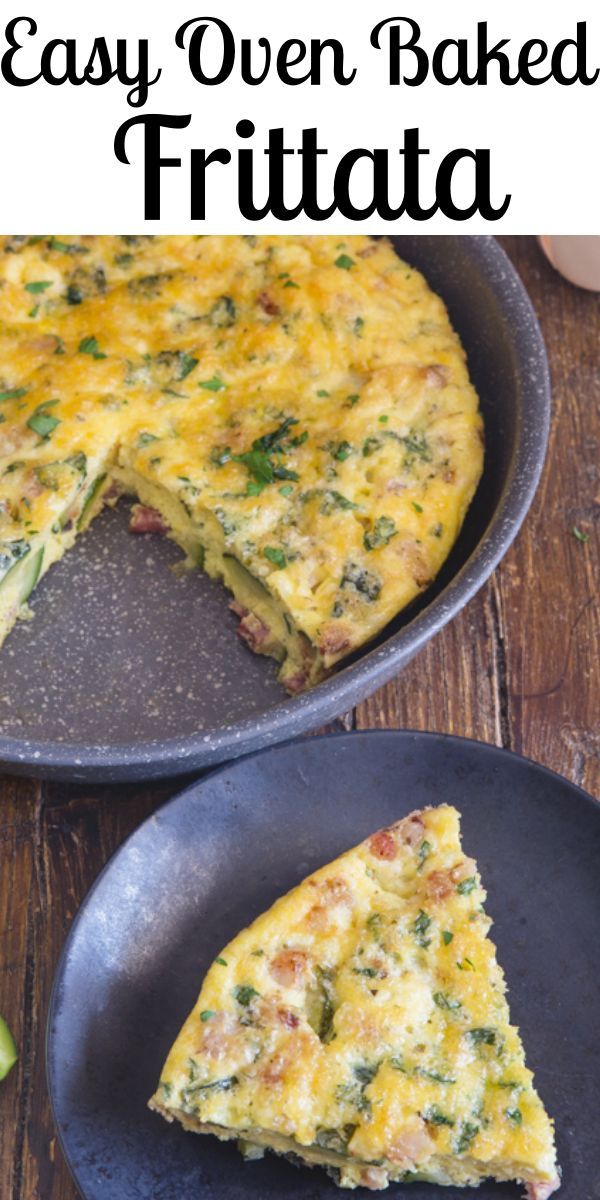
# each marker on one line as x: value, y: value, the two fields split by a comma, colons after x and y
x: 299, y: 404
x: 362, y: 1022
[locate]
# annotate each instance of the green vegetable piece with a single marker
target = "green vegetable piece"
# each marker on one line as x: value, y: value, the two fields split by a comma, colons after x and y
x: 580, y: 535
x: 420, y: 928
x: 444, y: 1001
x: 13, y: 393
x: 515, y: 1116
x: 345, y: 262
x: 8, y: 1050
x: 468, y: 1131
x: 482, y: 1036
x: 206, y: 1014
x: 223, y: 313
x: 89, y: 499
x: 89, y: 345
x: 466, y: 886
x: 447, y: 937
x: 434, y: 1116
x: 213, y: 385
x: 41, y: 420
x: 423, y: 853
x: 244, y: 994
x: 275, y: 556
x: 342, y: 451
x: 221, y: 962
x: 382, y: 532
x: 39, y: 286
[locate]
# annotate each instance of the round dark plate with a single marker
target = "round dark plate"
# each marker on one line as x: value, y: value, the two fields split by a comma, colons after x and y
x: 212, y: 859
x: 129, y: 673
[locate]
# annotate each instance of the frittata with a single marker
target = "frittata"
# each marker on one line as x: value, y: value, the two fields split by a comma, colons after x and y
x: 362, y: 1024
x: 295, y: 412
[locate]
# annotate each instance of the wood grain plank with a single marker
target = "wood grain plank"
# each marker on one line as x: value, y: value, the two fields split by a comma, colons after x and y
x: 75, y: 835
x: 550, y: 582
x: 17, y: 968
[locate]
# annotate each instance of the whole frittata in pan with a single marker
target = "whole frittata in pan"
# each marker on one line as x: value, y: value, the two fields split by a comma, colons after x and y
x: 296, y: 413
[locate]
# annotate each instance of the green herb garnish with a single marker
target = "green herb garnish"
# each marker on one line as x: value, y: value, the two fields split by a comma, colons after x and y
x: 344, y: 262
x: 89, y: 345
x: 213, y: 385
x: 244, y: 994
x: 420, y: 927
x: 39, y: 286
x: 382, y: 532
x: 41, y: 420
x: 275, y: 556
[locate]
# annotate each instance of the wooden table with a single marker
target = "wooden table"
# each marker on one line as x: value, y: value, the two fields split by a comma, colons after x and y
x: 519, y: 667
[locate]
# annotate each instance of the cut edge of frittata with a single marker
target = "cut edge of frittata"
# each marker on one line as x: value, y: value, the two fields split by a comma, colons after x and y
x: 361, y: 1024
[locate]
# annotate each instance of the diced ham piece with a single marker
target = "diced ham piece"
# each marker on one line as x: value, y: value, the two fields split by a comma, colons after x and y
x: 287, y: 1018
x: 411, y: 830
x: 288, y: 967
x: 253, y: 631
x: 296, y: 683
x: 541, y: 1191
x: 374, y: 1178
x: 146, y: 520
x: 383, y: 845
x: 268, y: 305
x: 410, y: 1146
x: 440, y: 884
x: 437, y: 376
x: 336, y: 891
x: 334, y: 639
x: 238, y: 608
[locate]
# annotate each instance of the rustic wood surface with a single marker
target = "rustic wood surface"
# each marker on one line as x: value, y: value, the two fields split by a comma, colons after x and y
x: 519, y: 667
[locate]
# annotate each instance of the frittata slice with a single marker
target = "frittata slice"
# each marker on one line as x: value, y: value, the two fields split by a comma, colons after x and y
x: 298, y: 411
x: 362, y: 1024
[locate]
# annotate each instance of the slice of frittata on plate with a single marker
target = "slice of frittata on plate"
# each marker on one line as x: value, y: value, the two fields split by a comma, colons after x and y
x: 362, y: 1024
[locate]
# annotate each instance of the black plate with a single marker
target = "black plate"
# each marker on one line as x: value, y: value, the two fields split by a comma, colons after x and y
x: 128, y: 673
x: 216, y: 856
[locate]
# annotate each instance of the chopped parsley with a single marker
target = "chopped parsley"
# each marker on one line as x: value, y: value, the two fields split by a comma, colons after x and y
x: 341, y: 451
x: 211, y: 385
x: 13, y: 393
x: 515, y: 1116
x: 580, y: 535
x: 382, y: 532
x: 206, y: 1014
x: 417, y: 446
x: 145, y: 439
x: 420, y: 927
x: 466, y: 1135
x: 444, y: 1001
x: 482, y: 1036
x: 417, y: 507
x: 221, y: 962
x: 363, y: 581
x: 223, y: 313
x: 89, y: 345
x: 466, y: 886
x: 434, y: 1116
x: 38, y: 286
x: 447, y: 937
x: 275, y: 556
x: 345, y: 262
x: 423, y: 853
x: 244, y: 994
x: 41, y: 420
